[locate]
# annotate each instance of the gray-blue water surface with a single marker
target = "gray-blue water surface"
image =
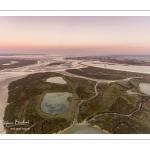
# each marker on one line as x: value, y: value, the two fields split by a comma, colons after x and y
x: 55, y: 103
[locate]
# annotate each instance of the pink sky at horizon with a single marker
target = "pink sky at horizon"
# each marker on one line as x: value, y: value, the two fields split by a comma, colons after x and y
x: 69, y: 35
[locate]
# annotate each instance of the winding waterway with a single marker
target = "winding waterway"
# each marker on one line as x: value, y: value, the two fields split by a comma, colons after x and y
x: 82, y: 101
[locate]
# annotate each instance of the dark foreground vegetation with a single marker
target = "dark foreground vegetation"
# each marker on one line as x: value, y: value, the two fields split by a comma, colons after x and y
x: 117, y: 109
x: 25, y: 96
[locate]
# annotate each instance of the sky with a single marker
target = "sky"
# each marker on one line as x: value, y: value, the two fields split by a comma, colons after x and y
x: 75, y: 35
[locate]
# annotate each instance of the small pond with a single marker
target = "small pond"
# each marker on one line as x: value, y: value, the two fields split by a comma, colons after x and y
x: 55, y: 103
x: 145, y: 88
x: 57, y: 80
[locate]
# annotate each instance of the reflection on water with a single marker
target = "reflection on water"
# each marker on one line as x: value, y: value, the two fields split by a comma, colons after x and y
x: 82, y: 129
x: 58, y: 80
x: 145, y: 88
x: 54, y: 103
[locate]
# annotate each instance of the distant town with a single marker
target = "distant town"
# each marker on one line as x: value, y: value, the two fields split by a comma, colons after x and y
x: 112, y: 59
